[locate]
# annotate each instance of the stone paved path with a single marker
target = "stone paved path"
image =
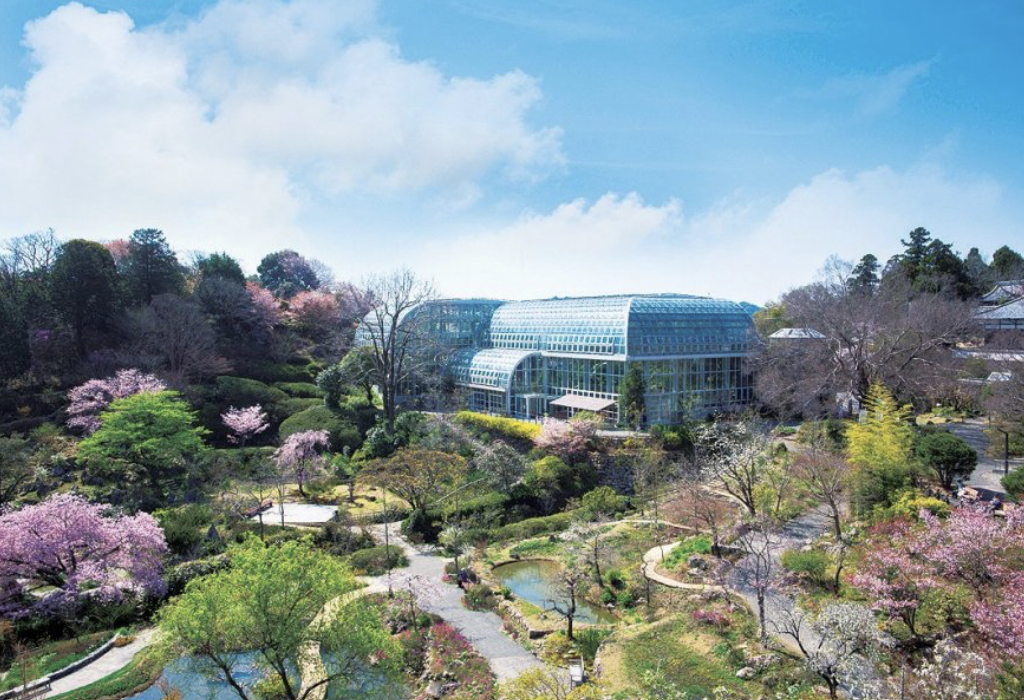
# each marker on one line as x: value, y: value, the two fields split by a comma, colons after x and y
x: 114, y: 660
x: 989, y: 471
x: 482, y: 629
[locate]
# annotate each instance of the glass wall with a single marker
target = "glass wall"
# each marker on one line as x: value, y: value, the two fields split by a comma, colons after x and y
x: 516, y: 357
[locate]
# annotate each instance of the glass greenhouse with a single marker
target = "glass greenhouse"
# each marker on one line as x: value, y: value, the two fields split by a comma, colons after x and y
x: 530, y: 359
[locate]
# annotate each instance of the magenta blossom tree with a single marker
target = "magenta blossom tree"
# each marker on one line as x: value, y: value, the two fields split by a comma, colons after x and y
x: 78, y: 549
x: 567, y: 440
x: 86, y: 402
x: 244, y: 423
x: 970, y: 550
x: 301, y: 455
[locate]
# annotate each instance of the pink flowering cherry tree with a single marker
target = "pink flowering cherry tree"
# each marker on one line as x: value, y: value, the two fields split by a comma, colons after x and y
x: 301, y: 456
x: 567, y: 440
x: 79, y: 549
x: 87, y: 401
x: 972, y: 550
x: 894, y: 573
x: 244, y: 423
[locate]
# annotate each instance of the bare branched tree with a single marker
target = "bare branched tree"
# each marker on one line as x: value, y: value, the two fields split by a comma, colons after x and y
x: 179, y: 334
x: 395, y: 335
x: 891, y: 335
x: 825, y: 473
x: 757, y: 567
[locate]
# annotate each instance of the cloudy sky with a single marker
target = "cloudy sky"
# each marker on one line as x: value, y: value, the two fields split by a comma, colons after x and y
x: 519, y: 149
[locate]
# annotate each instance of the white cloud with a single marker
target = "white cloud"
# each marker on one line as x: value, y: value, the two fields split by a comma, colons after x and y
x: 744, y: 250
x: 875, y: 93
x: 227, y: 127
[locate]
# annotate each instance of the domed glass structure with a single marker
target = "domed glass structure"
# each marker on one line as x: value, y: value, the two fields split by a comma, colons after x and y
x: 528, y: 359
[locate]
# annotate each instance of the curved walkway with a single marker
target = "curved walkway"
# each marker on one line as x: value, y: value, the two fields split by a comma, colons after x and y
x: 482, y: 629
x: 111, y: 662
x: 654, y: 555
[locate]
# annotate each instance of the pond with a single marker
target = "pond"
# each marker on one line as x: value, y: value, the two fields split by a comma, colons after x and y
x: 537, y: 581
x: 194, y: 685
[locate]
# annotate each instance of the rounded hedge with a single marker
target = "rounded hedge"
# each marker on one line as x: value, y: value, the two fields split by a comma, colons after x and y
x: 344, y: 433
x: 374, y: 561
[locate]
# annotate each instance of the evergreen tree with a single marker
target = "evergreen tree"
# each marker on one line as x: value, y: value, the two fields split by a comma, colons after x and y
x: 221, y: 265
x: 881, y: 450
x: 16, y: 356
x: 1007, y: 264
x: 632, y: 391
x: 915, y: 252
x: 977, y: 268
x: 151, y: 267
x: 84, y: 288
x: 146, y: 442
x: 865, y: 275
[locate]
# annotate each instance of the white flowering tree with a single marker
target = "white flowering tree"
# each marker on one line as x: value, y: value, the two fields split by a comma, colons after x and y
x: 738, y: 455
x: 951, y: 673
x: 835, y: 645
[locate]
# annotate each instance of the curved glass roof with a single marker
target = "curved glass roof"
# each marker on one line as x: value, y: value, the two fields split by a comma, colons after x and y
x: 640, y: 325
x: 687, y: 326
x: 491, y: 368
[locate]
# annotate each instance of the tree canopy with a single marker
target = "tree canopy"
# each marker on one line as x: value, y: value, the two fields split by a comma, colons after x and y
x: 151, y: 267
x: 142, y: 452
x: 287, y: 604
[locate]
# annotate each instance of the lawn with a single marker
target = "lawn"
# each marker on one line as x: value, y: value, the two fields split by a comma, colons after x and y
x: 686, y: 658
x: 52, y: 656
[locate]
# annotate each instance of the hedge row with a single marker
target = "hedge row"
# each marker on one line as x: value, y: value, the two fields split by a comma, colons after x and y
x: 518, y: 429
x: 533, y: 527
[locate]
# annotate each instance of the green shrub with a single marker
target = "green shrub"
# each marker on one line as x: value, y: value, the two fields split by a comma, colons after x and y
x: 300, y: 390
x: 296, y: 370
x: 480, y: 597
x: 604, y: 500
x: 289, y: 407
x: 880, y: 486
x: 374, y: 561
x: 947, y: 455
x: 178, y: 576
x: 1014, y: 484
x: 509, y: 427
x: 909, y: 505
x: 532, y: 527
x: 831, y: 433
x: 184, y: 527
x: 241, y: 392
x: 813, y: 564
x: 626, y: 599
x: 674, y: 438
x: 343, y: 432
x: 589, y: 640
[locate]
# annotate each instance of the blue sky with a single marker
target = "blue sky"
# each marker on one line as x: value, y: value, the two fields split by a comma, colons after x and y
x: 519, y: 149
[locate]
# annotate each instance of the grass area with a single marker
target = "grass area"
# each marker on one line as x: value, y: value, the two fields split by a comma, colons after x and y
x: 52, y: 656
x: 676, y: 559
x: 138, y: 675
x: 534, y: 548
x: 686, y: 658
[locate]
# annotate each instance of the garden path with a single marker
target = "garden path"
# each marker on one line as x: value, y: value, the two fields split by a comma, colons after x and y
x: 483, y: 630
x: 111, y: 662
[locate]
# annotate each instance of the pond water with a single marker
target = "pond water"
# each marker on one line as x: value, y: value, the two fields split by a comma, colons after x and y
x: 184, y: 675
x: 537, y: 581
